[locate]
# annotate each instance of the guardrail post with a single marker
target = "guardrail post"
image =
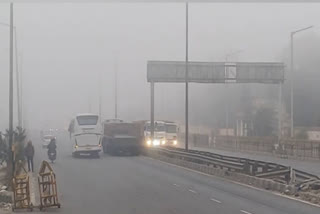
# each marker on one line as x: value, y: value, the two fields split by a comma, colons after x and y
x: 254, y: 168
x: 246, y: 167
x: 292, y: 176
x: 265, y: 168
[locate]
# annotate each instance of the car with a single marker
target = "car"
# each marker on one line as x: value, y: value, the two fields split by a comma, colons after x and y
x: 46, y: 140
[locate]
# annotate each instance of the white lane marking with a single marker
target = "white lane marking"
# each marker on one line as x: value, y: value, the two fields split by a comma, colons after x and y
x: 190, y: 190
x: 246, y: 212
x: 215, y: 200
x: 241, y: 184
x: 176, y: 185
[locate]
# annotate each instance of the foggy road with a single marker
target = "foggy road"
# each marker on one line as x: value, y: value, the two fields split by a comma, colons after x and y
x: 143, y: 185
x: 167, y: 71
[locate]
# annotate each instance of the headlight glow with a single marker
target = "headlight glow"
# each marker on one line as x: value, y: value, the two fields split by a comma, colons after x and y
x: 175, y: 142
x: 156, y: 142
x: 163, y: 142
x: 148, y: 142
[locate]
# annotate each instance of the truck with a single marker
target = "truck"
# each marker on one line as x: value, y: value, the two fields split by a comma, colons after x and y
x: 165, y: 133
x: 121, y: 137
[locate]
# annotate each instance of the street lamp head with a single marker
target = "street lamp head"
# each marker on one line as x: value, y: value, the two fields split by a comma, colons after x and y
x: 302, y: 29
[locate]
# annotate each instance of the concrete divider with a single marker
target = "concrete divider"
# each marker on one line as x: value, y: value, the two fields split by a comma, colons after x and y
x: 266, y: 184
x: 313, y: 198
x: 283, y: 188
x: 6, y: 196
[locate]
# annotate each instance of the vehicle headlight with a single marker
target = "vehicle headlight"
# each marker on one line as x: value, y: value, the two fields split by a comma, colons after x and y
x: 175, y: 142
x: 148, y: 142
x: 163, y: 142
x: 156, y: 142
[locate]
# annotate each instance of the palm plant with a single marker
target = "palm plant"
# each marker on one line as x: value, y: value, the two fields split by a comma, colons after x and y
x: 3, y: 150
x: 19, y: 135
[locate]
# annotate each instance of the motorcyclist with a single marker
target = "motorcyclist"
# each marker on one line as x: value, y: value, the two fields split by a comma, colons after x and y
x: 52, y: 147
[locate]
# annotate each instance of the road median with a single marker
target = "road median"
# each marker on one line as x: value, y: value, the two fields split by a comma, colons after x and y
x: 262, y: 183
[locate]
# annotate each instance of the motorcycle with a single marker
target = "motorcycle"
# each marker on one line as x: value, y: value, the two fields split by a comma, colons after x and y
x: 52, y: 155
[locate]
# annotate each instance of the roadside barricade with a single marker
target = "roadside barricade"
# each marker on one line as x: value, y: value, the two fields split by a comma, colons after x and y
x: 21, y: 190
x: 47, y: 187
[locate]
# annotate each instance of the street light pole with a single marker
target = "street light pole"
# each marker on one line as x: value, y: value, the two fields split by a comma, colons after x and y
x: 186, y: 80
x: 21, y: 90
x: 100, y: 95
x: 227, y: 91
x: 17, y: 78
x: 116, y: 90
x: 11, y: 89
x: 291, y: 88
x: 19, y: 105
x: 292, y: 75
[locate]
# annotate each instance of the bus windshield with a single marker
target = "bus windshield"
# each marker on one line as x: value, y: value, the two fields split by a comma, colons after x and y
x: 157, y: 128
x: 87, y: 120
x: 170, y: 128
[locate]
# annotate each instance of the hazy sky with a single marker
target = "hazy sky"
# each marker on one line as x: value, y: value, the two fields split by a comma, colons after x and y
x: 67, y: 49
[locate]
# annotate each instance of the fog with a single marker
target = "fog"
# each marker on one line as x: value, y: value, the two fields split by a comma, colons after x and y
x: 67, y: 50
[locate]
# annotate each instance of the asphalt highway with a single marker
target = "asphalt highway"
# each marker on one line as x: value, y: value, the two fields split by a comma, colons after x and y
x: 141, y: 185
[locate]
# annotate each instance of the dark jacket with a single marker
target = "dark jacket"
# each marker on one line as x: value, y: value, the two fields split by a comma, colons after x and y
x: 52, y: 146
x: 29, y: 151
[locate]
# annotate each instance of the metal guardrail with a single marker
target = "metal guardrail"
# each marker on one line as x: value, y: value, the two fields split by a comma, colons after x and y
x: 262, y: 169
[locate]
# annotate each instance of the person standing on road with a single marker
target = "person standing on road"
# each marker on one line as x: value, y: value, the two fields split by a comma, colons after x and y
x: 29, y: 153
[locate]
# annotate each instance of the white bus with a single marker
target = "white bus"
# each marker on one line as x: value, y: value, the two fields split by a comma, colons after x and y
x: 86, y: 134
x: 165, y: 133
x: 159, y: 133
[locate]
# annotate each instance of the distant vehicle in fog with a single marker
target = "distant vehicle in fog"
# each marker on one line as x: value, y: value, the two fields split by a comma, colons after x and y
x: 86, y: 134
x: 159, y: 134
x: 165, y: 133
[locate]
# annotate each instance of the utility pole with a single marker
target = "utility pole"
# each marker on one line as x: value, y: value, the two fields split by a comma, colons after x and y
x: 227, y: 101
x: 19, y: 108
x: 227, y: 90
x: 280, y: 114
x: 291, y: 88
x: 21, y: 90
x: 100, y: 95
x: 89, y: 103
x: 17, y: 78
x: 152, y: 110
x: 292, y: 76
x: 187, y: 81
x: 11, y: 91
x: 116, y: 90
